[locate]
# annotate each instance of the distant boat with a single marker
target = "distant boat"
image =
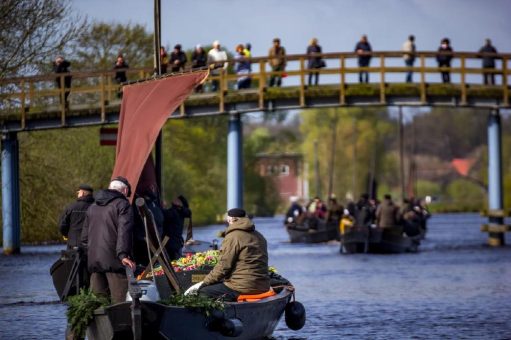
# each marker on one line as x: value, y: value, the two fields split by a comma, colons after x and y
x: 378, y: 240
x: 312, y: 230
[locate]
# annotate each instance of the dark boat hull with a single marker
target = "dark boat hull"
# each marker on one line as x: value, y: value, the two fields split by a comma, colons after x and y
x: 69, y: 274
x: 378, y: 241
x: 259, y: 320
x: 322, y: 232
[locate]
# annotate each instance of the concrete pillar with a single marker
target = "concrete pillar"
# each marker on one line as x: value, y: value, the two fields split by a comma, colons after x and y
x: 495, y: 198
x: 10, y: 194
x: 235, y: 163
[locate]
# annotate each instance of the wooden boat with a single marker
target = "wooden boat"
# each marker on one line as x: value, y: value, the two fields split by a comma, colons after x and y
x: 312, y: 230
x: 69, y: 273
x: 242, y: 320
x: 378, y: 240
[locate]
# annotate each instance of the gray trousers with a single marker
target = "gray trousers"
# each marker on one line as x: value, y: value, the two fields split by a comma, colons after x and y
x: 114, y: 285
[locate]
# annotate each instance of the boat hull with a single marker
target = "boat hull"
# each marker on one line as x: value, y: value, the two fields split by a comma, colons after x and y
x: 259, y: 320
x: 322, y: 232
x: 378, y: 241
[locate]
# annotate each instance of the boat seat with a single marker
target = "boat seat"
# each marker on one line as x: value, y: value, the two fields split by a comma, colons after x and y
x: 256, y: 297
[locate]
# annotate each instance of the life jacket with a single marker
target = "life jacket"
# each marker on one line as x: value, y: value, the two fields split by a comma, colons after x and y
x: 256, y: 297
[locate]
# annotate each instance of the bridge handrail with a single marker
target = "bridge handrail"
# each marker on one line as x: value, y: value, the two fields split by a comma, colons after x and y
x: 99, y: 86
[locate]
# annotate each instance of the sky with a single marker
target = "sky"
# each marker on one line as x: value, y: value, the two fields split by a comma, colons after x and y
x: 338, y: 24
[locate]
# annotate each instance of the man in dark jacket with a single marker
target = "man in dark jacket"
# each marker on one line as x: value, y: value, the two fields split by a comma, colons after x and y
x: 173, y: 225
x: 444, y: 60
x: 108, y: 235
x: 243, y: 264
x: 177, y: 59
x: 488, y: 62
x: 71, y: 220
x: 60, y: 65
x: 362, y: 49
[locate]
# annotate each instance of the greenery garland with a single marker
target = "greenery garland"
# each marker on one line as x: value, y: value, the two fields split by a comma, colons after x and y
x: 81, y: 310
x: 195, y: 301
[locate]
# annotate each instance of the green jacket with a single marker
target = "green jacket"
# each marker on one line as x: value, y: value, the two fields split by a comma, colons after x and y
x: 243, y: 263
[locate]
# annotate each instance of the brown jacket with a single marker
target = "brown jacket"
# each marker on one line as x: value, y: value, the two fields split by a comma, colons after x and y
x: 387, y: 214
x: 243, y: 263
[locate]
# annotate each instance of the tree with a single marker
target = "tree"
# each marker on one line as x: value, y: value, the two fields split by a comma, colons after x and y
x: 99, y: 45
x: 32, y: 32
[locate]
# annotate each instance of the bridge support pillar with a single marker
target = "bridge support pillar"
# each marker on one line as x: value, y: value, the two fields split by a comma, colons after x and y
x: 10, y: 194
x: 495, y: 198
x: 235, y: 163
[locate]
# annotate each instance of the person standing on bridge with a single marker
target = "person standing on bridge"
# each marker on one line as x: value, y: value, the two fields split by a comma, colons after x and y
x: 217, y: 59
x: 444, y: 59
x: 178, y: 59
x: 107, y: 236
x: 199, y: 59
x: 242, y: 68
x: 164, y: 60
x: 277, y: 60
x: 120, y: 74
x: 363, y: 50
x: 315, y: 61
x: 409, y: 56
x: 60, y: 65
x: 488, y: 63
x: 72, y: 219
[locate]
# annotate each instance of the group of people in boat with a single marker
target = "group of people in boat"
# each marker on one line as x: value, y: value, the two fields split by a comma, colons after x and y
x: 367, y: 212
x: 110, y: 234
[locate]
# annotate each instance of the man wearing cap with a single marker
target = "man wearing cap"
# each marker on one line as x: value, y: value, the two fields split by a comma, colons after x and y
x: 177, y: 59
x: 71, y: 220
x: 243, y: 264
x: 108, y: 236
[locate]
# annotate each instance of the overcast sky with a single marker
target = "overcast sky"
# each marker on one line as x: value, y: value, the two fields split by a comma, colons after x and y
x: 337, y: 24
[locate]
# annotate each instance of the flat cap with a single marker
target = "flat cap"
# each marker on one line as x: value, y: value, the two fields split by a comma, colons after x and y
x: 85, y: 187
x: 236, y: 212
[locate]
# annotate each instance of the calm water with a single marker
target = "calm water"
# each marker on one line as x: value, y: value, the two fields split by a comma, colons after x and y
x: 454, y: 288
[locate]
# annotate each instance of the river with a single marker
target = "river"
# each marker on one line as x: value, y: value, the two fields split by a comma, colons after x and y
x: 455, y: 287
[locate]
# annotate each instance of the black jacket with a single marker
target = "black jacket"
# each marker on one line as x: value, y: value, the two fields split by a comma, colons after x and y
x: 72, y: 219
x: 199, y: 59
x: 363, y: 60
x: 443, y: 59
x: 108, y: 232
x: 488, y: 62
x: 173, y: 225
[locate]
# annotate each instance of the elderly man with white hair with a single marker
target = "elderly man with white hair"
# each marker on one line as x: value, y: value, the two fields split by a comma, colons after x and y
x: 217, y: 58
x: 107, y: 236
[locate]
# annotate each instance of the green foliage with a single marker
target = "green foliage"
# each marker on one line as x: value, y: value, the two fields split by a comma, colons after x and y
x: 428, y: 188
x: 81, y: 310
x: 98, y: 47
x: 196, y: 302
x: 52, y: 165
x: 466, y: 194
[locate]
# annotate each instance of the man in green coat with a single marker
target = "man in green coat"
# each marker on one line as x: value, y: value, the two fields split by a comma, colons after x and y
x: 243, y: 264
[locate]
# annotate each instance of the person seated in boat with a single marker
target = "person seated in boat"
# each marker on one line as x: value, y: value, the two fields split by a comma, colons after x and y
x: 411, y: 219
x: 334, y: 210
x: 387, y: 213
x: 243, y: 264
x: 295, y: 212
x: 71, y: 220
x: 346, y: 222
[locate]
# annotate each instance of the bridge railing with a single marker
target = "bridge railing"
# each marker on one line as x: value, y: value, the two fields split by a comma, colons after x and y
x: 97, y: 90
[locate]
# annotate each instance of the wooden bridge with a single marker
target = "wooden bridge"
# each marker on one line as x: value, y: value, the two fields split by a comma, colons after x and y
x: 35, y: 102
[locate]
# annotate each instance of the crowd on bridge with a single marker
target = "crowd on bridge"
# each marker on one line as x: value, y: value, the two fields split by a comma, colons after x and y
x: 410, y: 218
x: 217, y: 58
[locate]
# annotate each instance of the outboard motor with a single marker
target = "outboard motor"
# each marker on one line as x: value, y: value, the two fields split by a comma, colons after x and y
x: 295, y: 315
